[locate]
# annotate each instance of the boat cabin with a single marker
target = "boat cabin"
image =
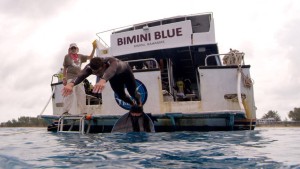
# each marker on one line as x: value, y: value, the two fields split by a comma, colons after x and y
x: 176, y: 46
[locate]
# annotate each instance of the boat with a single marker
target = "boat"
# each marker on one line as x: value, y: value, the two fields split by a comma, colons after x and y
x: 185, y: 82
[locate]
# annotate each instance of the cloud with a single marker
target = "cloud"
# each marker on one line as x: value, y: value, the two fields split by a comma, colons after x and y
x: 289, y: 40
x: 32, y: 9
x: 276, y: 65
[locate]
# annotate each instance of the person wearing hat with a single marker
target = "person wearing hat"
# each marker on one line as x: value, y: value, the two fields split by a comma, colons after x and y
x: 71, y: 69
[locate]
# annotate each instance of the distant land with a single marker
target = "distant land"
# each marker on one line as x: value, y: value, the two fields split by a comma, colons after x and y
x: 25, y: 122
x: 280, y: 124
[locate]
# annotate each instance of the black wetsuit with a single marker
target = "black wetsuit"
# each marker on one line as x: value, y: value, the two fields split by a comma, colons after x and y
x: 118, y: 73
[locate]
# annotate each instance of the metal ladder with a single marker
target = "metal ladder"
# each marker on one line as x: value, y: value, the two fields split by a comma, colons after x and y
x: 60, y: 125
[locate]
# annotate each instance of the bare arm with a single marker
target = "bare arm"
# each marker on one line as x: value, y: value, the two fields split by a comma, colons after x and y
x: 64, y: 76
x: 67, y: 90
x: 99, y: 87
x: 93, y: 51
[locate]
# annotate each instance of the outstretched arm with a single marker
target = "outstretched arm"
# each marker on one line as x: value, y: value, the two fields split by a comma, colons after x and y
x: 108, y: 74
x: 67, y: 90
x: 98, y: 88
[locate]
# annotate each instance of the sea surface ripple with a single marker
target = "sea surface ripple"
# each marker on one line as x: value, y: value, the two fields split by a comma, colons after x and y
x: 262, y: 148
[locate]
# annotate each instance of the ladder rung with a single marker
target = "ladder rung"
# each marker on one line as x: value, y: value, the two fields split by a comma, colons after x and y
x: 60, y: 125
x: 69, y: 132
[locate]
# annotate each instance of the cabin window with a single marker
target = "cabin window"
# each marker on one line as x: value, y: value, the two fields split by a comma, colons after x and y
x: 200, y: 23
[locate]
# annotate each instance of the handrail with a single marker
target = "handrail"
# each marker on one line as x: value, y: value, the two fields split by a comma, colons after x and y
x: 148, y: 22
x: 207, y: 56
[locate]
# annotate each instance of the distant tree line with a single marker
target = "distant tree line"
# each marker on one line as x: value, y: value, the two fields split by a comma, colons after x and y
x: 293, y: 115
x: 25, y: 122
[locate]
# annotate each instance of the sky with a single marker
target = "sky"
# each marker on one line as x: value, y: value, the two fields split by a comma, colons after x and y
x: 35, y: 35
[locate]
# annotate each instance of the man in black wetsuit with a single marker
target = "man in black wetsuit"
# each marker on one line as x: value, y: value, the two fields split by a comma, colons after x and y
x: 117, y: 72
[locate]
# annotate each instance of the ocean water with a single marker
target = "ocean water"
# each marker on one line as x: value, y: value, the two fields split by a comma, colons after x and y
x: 261, y: 148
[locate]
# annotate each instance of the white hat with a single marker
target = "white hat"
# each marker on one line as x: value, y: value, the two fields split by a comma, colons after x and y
x: 73, y: 45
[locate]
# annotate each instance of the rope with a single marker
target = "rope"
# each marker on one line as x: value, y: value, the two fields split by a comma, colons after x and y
x: 234, y: 57
x: 247, y: 81
x: 48, y: 101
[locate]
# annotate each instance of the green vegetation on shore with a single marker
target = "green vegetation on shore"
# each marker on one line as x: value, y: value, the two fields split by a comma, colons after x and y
x: 293, y: 115
x: 25, y: 122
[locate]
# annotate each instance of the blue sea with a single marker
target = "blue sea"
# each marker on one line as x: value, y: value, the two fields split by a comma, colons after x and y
x: 262, y: 148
